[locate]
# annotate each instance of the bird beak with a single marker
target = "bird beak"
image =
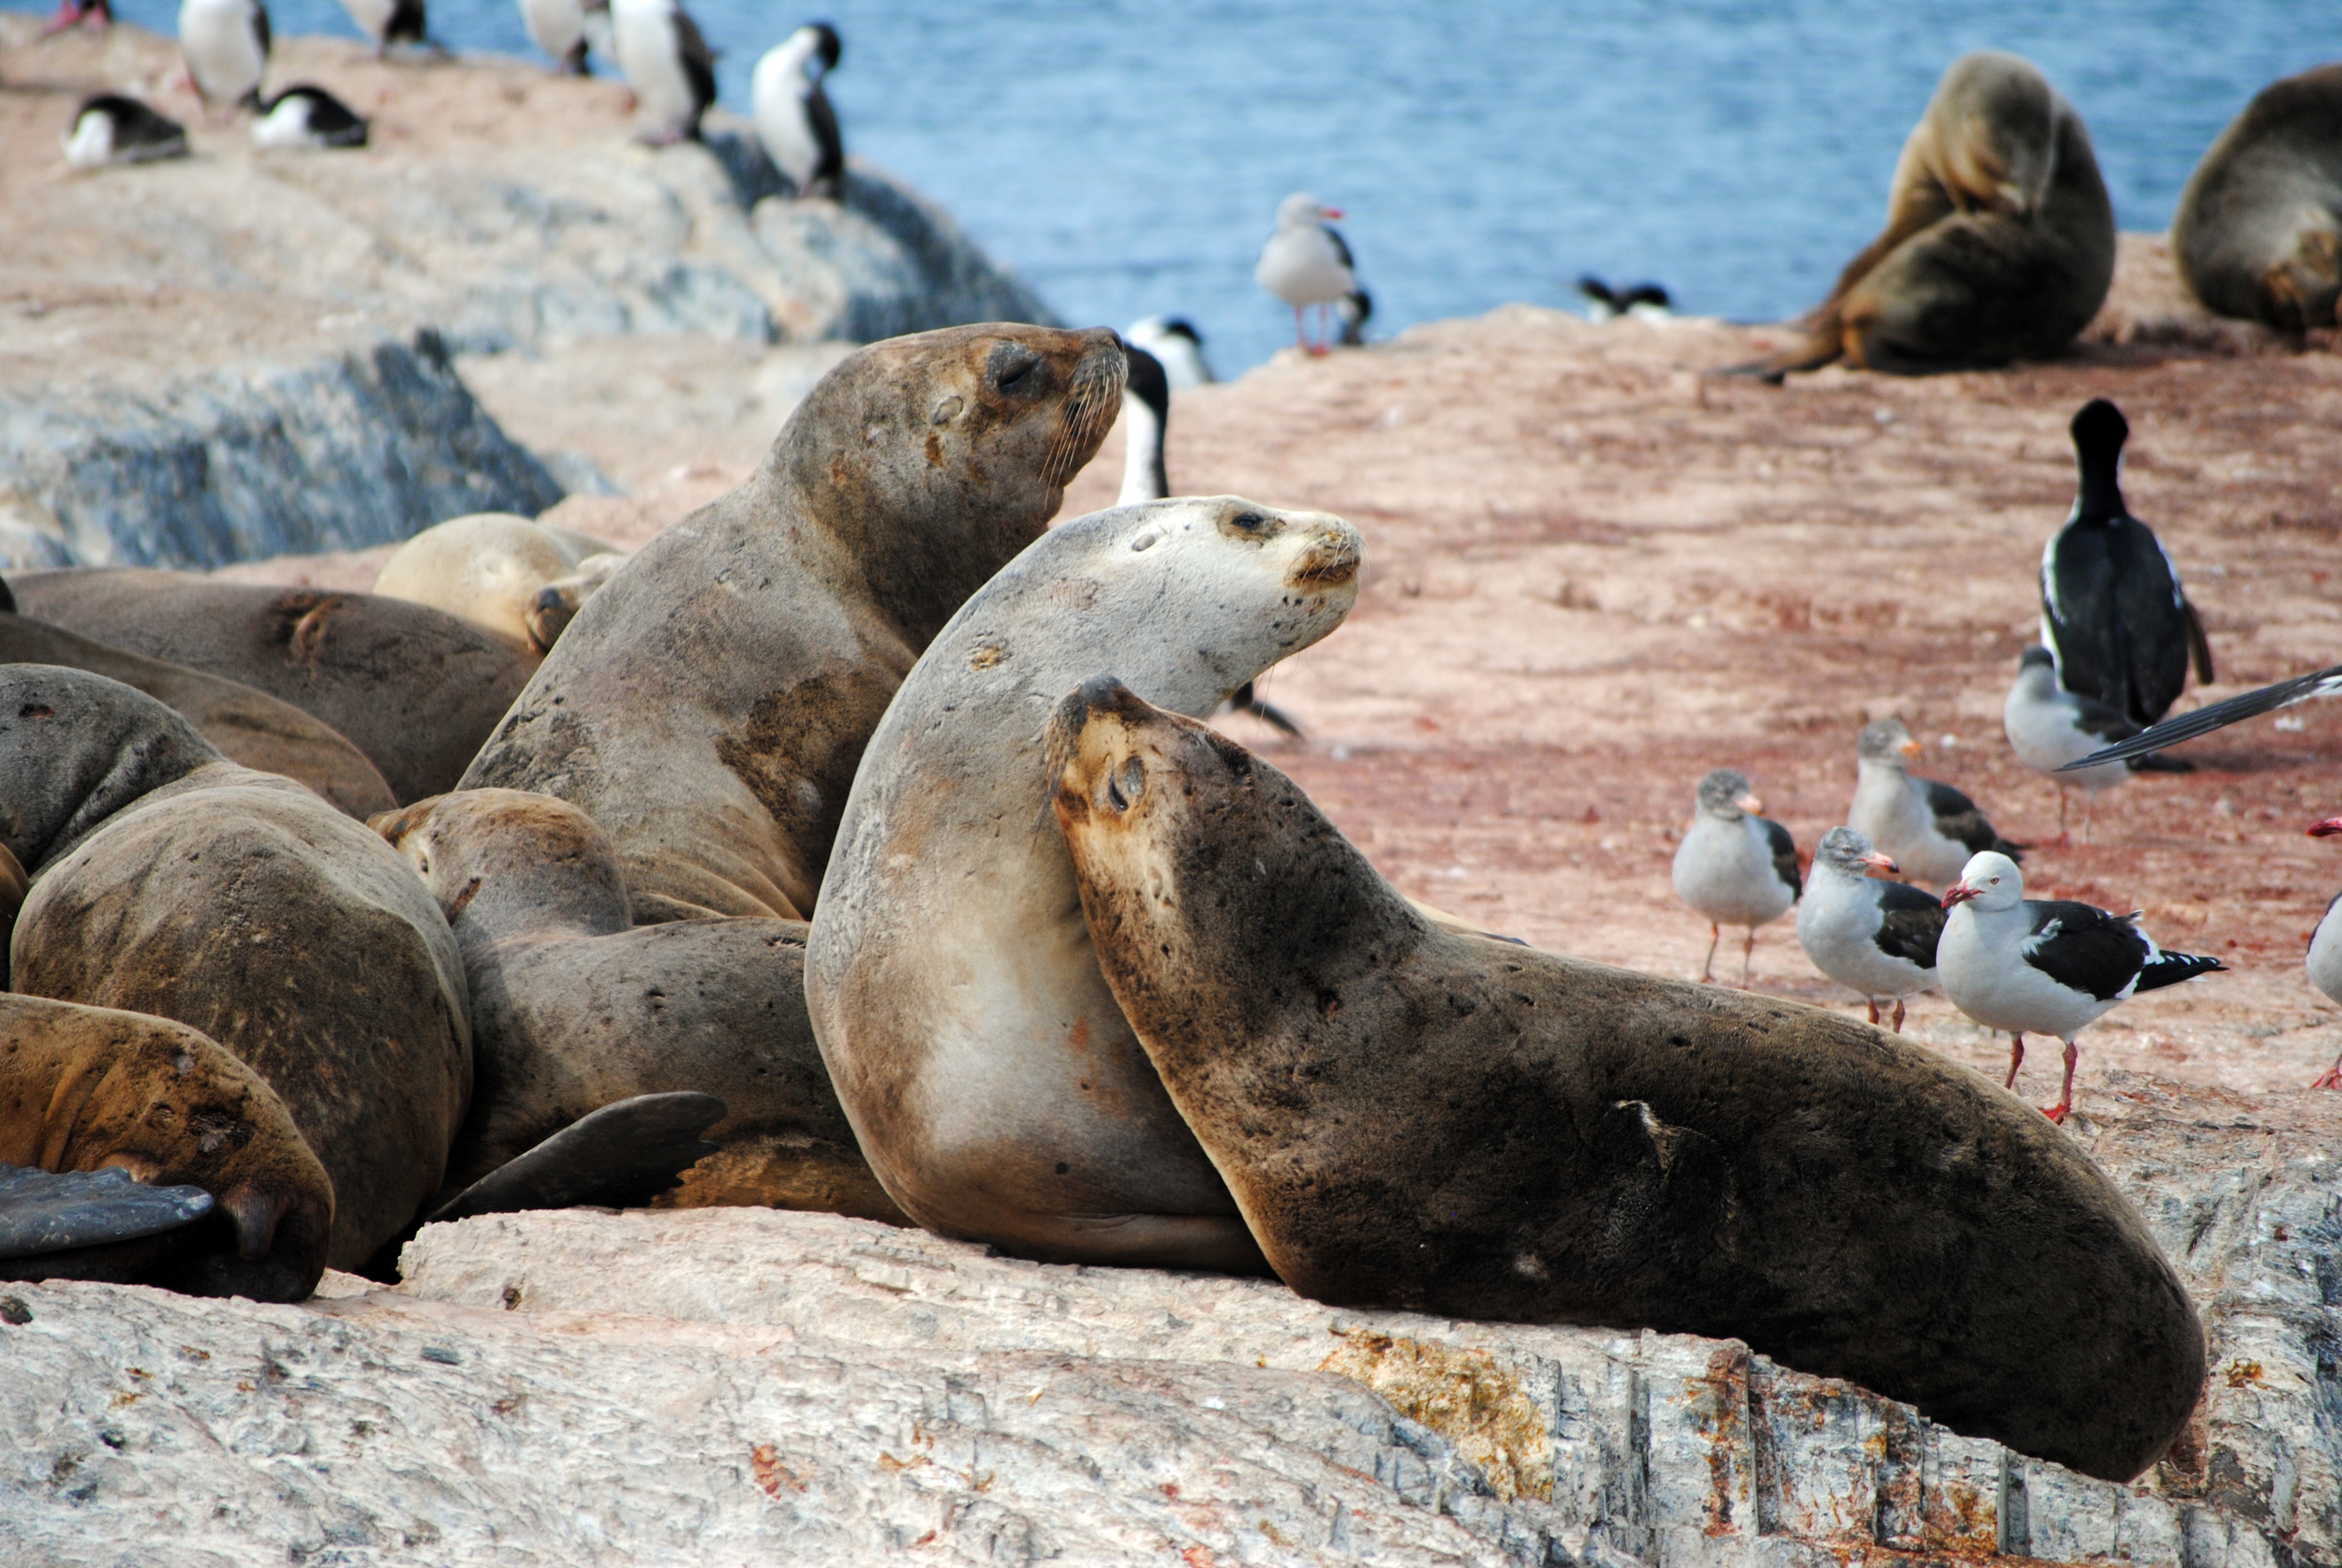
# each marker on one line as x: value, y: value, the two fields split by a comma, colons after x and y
x: 1878, y: 862
x: 1329, y: 212
x: 1909, y: 748
x: 1958, y: 892
x: 1751, y: 805
x: 2326, y: 829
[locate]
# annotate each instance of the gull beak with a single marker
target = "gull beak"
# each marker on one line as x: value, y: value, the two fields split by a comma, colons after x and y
x: 1909, y: 748
x: 1329, y: 212
x: 1958, y: 892
x: 1751, y: 805
x: 1878, y: 862
x: 2326, y: 829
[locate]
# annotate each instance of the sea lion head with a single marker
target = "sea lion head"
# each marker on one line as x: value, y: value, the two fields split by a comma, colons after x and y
x: 2001, y: 139
x: 556, y: 605
x: 2299, y: 293
x: 505, y: 861
x: 935, y: 457
x: 76, y: 747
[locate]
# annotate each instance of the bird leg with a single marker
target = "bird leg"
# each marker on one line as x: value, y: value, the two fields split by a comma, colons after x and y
x: 1898, y: 1015
x: 2332, y: 1077
x: 1716, y: 936
x: 1874, y: 1007
x: 1325, y: 344
x: 1300, y: 330
x: 2063, y: 836
x: 2089, y: 813
x: 2065, y: 1105
x: 1748, y: 955
x: 2016, y: 1059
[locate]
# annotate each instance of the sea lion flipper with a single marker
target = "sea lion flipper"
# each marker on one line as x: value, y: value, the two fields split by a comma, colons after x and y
x: 627, y: 1152
x: 57, y: 1211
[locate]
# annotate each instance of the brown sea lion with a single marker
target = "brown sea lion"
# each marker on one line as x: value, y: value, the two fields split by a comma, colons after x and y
x: 1999, y: 242
x: 2259, y: 230
x: 89, y: 1088
x: 988, y: 1074
x: 707, y: 707
x: 414, y: 689
x: 574, y: 1008
x: 520, y: 579
x: 1414, y: 1119
x: 247, y: 725
x: 166, y: 879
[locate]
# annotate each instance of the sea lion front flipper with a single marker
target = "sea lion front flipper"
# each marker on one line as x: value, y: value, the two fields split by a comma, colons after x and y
x: 628, y: 1151
x: 43, y: 1212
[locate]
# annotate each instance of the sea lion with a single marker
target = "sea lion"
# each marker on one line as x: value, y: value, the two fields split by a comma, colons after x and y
x: 1999, y: 242
x: 988, y: 1074
x: 92, y: 1088
x: 168, y: 881
x: 2259, y: 230
x: 1414, y: 1118
x: 573, y: 1007
x: 414, y: 689
x: 519, y: 578
x: 247, y: 725
x: 707, y: 709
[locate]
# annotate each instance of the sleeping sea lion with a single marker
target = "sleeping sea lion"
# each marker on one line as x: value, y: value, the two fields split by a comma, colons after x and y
x: 574, y: 1008
x: 1414, y: 1118
x: 168, y: 881
x: 1999, y: 242
x: 988, y: 1074
x: 91, y: 1088
x: 414, y: 689
x: 707, y: 707
x: 520, y: 579
x: 2259, y: 230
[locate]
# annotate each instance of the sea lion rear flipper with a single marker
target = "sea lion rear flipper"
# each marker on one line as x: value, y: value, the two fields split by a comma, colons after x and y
x: 623, y: 1153
x: 48, y: 1212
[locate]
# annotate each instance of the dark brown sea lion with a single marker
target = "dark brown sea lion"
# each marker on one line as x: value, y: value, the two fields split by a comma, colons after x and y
x: 89, y: 1088
x: 169, y: 880
x: 1999, y: 242
x: 1414, y: 1119
x: 574, y: 1008
x: 415, y: 690
x: 709, y: 706
x: 247, y: 725
x: 990, y: 1075
x: 2259, y: 230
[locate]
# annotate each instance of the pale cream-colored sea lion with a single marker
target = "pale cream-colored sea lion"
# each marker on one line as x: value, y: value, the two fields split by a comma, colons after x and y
x: 990, y: 1075
x: 1414, y: 1119
x: 88, y: 1089
x: 168, y: 881
x: 520, y: 579
x: 414, y: 689
x: 2259, y: 230
x: 707, y: 707
x: 247, y: 724
x: 574, y: 1008
x: 1999, y: 242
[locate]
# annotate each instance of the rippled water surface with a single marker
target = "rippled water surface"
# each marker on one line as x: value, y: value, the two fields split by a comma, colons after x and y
x: 1126, y: 157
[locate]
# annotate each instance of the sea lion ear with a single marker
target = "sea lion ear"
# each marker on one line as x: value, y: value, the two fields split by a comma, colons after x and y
x: 947, y: 410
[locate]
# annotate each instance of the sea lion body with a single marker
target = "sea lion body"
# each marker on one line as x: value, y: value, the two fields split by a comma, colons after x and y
x: 707, y: 709
x: 1414, y: 1119
x: 247, y: 724
x: 2259, y: 230
x: 169, y: 880
x: 520, y: 579
x: 573, y: 1007
x: 83, y: 1088
x: 1999, y: 242
x: 417, y: 690
x: 989, y: 1076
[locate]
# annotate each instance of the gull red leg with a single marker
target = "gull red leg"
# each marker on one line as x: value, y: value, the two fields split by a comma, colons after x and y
x: 1872, y: 1002
x: 2332, y: 1077
x: 2016, y: 1059
x: 1301, y: 331
x: 1898, y: 1015
x: 1748, y: 956
x: 1715, y: 939
x: 2065, y: 1105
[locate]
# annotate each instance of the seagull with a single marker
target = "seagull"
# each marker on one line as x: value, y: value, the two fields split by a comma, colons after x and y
x: 226, y: 43
x: 1306, y: 263
x: 794, y: 119
x: 1647, y: 300
x: 1876, y: 937
x: 1174, y: 341
x: 2217, y: 715
x: 558, y: 28
x: 1734, y: 867
x: 2324, y: 960
x: 1929, y: 829
x: 2044, y: 966
x: 2049, y: 727
x: 668, y: 63
x: 2111, y: 609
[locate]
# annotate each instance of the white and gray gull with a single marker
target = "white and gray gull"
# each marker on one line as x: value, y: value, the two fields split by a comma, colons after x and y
x: 2112, y: 608
x: 2324, y: 959
x: 793, y: 117
x: 1306, y: 263
x: 226, y: 43
x: 567, y: 30
x: 1929, y: 829
x: 1734, y: 867
x: 2044, y: 966
x: 2049, y: 727
x: 668, y: 63
x: 1875, y: 937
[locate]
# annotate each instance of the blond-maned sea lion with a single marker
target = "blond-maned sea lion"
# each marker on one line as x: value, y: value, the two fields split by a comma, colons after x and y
x: 247, y: 725
x: 988, y: 1074
x: 1414, y: 1119
x: 519, y: 578
x: 574, y: 1008
x: 168, y: 881
x: 414, y: 689
x: 707, y: 707
x: 1999, y: 242
x: 92, y: 1088
x: 2259, y: 230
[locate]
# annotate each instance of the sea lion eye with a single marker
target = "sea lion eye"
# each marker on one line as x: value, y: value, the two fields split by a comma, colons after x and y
x: 1251, y: 521
x: 1012, y: 368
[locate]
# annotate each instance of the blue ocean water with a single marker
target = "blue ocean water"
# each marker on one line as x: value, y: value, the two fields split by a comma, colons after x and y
x: 1126, y: 156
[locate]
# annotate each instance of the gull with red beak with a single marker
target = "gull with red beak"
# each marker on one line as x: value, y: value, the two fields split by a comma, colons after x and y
x: 1929, y: 829
x: 1306, y: 263
x: 2324, y: 960
x: 2044, y: 966
x: 1733, y: 866
x: 1875, y: 937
